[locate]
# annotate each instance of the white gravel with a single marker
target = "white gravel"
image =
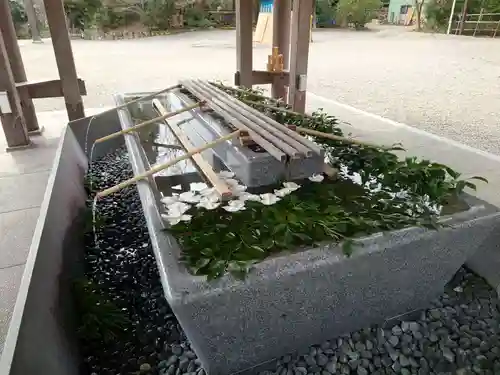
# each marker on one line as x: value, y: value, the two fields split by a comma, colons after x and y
x: 444, y: 84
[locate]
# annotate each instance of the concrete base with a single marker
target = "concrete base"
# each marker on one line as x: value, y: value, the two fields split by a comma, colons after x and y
x: 19, y: 148
x: 39, y: 131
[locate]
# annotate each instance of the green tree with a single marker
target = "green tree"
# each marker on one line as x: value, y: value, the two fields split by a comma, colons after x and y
x: 82, y: 13
x: 357, y: 12
x: 18, y: 13
x: 325, y: 12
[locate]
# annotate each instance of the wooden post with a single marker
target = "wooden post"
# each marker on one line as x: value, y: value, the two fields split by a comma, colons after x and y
x: 13, y: 123
x: 244, y: 43
x: 281, y: 39
x: 56, y: 19
x: 299, y: 53
x: 16, y: 64
x: 32, y: 20
x: 463, y: 18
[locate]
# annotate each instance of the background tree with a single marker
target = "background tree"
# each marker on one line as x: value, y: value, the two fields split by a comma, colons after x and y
x: 357, y: 12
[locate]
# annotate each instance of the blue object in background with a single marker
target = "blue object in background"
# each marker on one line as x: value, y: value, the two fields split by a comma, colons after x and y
x: 266, y: 6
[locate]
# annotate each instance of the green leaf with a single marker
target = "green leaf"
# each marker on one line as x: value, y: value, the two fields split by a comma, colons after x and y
x: 348, y: 247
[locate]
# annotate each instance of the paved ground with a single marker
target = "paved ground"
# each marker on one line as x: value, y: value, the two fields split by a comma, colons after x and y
x: 444, y: 84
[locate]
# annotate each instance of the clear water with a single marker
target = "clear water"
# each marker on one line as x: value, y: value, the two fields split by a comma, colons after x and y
x: 94, y: 212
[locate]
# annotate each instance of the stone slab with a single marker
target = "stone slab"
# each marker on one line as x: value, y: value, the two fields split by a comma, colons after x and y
x: 12, y: 188
x: 41, y: 334
x: 9, y: 283
x: 16, y: 232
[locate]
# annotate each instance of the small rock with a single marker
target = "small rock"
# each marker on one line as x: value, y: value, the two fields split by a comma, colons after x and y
x: 396, y: 330
x: 145, y: 367
x: 302, y: 371
x: 448, y: 355
x: 393, y: 340
x: 321, y: 360
x: 362, y: 371
x: 331, y: 367
x: 403, y: 361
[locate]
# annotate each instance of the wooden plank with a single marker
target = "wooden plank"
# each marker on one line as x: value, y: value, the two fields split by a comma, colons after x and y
x: 48, y: 89
x: 206, y: 169
x: 56, y: 19
x: 13, y: 123
x: 244, y: 52
x: 299, y: 53
x: 16, y: 63
x: 263, y: 77
x: 281, y: 40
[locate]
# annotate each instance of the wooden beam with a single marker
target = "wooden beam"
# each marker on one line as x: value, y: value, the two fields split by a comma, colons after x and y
x: 13, y: 123
x: 16, y: 64
x: 244, y: 43
x: 281, y: 39
x: 299, y: 53
x: 48, y: 89
x: 56, y: 19
x: 263, y: 77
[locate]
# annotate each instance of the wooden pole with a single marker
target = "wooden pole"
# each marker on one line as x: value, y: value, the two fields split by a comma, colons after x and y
x: 299, y: 53
x: 464, y: 17
x: 56, y: 19
x: 16, y: 64
x: 148, y: 123
x: 281, y: 40
x: 206, y: 169
x: 244, y: 43
x: 159, y: 168
x: 13, y: 122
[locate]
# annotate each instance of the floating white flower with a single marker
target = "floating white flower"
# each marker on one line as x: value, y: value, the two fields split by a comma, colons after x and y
x: 226, y: 174
x: 245, y: 196
x: 291, y: 185
x: 283, y: 192
x: 316, y: 178
x: 208, y: 204
x: 268, y: 199
x: 197, y: 186
x: 178, y: 208
x: 173, y: 220
x: 231, y: 182
x: 167, y: 201
x: 238, y: 189
x: 235, y: 206
x: 209, y: 194
x: 189, y: 197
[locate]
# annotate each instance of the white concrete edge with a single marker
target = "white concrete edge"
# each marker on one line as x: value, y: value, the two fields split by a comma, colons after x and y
x: 409, y: 128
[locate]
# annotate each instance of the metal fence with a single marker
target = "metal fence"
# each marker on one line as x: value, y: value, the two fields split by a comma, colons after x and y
x: 478, y: 24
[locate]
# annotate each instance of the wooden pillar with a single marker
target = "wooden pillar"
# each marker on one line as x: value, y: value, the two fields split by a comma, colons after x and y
x: 61, y: 42
x: 281, y: 39
x: 32, y: 20
x: 299, y: 53
x: 244, y: 43
x: 13, y: 123
x: 16, y: 63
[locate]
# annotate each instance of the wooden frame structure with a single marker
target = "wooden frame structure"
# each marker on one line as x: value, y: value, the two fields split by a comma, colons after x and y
x: 18, y: 118
x: 291, y: 35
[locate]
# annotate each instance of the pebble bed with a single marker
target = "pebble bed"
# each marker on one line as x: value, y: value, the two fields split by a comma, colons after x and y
x: 458, y: 334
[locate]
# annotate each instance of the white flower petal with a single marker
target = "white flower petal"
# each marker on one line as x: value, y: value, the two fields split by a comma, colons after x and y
x: 208, y: 204
x: 197, y: 186
x: 231, y: 182
x: 178, y: 208
x: 283, y: 192
x: 238, y: 189
x: 186, y: 217
x: 189, y: 197
x: 169, y: 200
x: 291, y: 185
x: 226, y: 174
x: 245, y: 196
x: 316, y: 178
x: 208, y: 191
x: 235, y: 206
x: 268, y: 199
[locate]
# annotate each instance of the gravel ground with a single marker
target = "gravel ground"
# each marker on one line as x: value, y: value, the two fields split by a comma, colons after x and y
x: 444, y: 84
x: 458, y: 334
